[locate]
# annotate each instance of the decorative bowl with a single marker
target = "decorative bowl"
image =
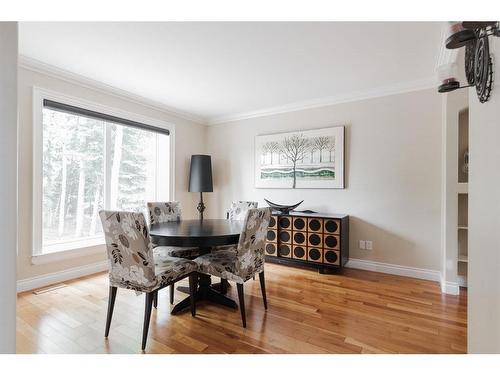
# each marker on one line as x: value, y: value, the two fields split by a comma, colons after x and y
x: 281, y: 208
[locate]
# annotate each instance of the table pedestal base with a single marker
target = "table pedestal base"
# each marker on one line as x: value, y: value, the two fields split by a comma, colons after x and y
x: 205, y: 292
x: 221, y: 287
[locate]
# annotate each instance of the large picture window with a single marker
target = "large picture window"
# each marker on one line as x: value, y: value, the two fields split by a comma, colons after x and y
x: 91, y: 161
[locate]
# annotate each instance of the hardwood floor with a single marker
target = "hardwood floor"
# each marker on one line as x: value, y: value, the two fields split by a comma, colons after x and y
x: 353, y: 312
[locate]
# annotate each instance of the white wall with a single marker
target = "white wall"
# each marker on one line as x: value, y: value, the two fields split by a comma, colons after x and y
x: 189, y: 139
x: 8, y: 184
x: 484, y: 218
x: 393, y: 172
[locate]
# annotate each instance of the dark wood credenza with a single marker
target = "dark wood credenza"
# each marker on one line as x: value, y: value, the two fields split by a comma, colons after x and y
x: 313, y: 240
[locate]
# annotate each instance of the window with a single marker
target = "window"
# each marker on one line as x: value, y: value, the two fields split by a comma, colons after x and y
x: 90, y: 161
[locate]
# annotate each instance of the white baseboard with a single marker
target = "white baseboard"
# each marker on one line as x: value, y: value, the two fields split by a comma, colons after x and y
x: 394, y: 269
x: 368, y: 265
x: 57, y: 277
x: 450, y: 288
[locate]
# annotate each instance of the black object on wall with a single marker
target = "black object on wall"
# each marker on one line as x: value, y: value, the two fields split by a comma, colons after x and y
x: 478, y: 66
x: 200, y: 178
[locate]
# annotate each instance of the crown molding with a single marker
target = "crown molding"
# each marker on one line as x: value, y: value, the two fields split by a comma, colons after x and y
x: 65, y: 75
x: 62, y: 74
x: 399, y: 88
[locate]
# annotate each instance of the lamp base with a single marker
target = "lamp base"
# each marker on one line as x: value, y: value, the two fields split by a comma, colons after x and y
x: 201, y: 206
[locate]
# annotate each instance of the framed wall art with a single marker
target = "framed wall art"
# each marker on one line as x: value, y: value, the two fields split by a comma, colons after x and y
x: 309, y: 159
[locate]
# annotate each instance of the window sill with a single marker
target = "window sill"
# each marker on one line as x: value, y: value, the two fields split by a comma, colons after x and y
x: 72, y: 244
x: 68, y: 254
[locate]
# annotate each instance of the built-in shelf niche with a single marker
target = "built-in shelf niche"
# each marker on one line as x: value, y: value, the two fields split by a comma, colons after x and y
x: 462, y: 246
x: 462, y: 196
x: 455, y: 192
x: 463, y: 211
x: 463, y: 145
x: 462, y: 271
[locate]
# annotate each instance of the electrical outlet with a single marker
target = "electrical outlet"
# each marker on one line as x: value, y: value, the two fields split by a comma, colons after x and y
x: 362, y: 244
x: 369, y: 245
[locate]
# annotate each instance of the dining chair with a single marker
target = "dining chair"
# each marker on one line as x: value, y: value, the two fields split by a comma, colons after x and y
x: 163, y: 212
x: 245, y: 260
x: 133, y: 264
x: 238, y: 209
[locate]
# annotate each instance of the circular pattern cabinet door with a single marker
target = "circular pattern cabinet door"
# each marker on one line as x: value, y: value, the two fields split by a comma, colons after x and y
x: 299, y: 238
x: 332, y: 226
x: 314, y: 240
x: 314, y: 254
x: 299, y: 252
x: 315, y: 225
x: 331, y: 242
x: 273, y: 222
x: 271, y: 235
x: 284, y: 251
x: 271, y: 249
x: 285, y: 236
x: 332, y: 257
x: 299, y: 223
x: 284, y: 222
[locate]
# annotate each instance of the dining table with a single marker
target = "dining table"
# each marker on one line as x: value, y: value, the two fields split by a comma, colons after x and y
x: 207, y: 235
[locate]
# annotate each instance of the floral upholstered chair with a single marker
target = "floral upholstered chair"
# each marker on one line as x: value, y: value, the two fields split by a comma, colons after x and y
x: 247, y: 259
x: 238, y: 210
x: 133, y: 265
x: 163, y: 212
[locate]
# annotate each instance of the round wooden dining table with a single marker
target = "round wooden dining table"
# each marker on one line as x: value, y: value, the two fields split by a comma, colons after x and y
x: 204, y: 234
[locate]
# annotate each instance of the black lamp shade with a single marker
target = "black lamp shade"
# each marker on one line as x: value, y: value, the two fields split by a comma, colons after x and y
x: 200, y: 174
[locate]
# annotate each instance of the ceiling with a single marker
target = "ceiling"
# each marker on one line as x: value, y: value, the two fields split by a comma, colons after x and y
x: 217, y: 71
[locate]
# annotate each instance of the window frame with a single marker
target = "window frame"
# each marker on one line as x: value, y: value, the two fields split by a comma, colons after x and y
x: 76, y: 248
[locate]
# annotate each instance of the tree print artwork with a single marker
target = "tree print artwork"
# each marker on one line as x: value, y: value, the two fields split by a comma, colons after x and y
x: 294, y: 148
x: 304, y: 159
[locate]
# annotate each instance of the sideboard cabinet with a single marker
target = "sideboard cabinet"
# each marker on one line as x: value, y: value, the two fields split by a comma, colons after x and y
x: 308, y: 239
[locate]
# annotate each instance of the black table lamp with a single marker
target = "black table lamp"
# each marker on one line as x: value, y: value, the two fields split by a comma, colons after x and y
x: 200, y: 178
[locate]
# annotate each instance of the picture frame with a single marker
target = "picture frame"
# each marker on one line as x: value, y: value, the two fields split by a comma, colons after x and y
x: 306, y: 159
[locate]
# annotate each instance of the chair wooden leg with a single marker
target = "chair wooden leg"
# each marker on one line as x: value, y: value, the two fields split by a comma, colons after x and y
x: 263, y: 288
x: 223, y: 286
x: 111, y: 306
x: 193, y: 282
x: 172, y: 289
x: 155, y: 300
x: 241, y: 298
x: 147, y: 317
